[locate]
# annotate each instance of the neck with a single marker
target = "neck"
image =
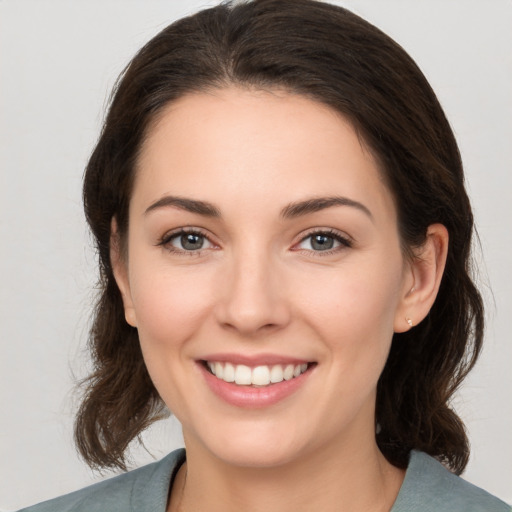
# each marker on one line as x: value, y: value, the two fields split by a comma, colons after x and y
x: 349, y: 479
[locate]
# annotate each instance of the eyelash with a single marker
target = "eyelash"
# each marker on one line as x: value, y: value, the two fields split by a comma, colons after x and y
x: 165, y: 241
x: 344, y: 241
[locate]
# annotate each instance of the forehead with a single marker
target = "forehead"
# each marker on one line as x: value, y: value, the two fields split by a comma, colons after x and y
x: 273, y: 145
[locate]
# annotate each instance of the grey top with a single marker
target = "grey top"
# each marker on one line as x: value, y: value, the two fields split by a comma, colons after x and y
x: 428, y: 487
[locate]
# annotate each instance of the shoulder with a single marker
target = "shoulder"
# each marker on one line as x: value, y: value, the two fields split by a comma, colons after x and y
x: 430, y: 487
x: 141, y: 490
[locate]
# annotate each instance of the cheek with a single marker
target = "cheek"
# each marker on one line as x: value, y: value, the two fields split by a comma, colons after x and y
x: 170, y: 304
x: 171, y: 308
x: 354, y: 308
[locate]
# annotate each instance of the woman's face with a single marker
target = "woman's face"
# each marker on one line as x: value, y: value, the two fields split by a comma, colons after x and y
x: 263, y: 243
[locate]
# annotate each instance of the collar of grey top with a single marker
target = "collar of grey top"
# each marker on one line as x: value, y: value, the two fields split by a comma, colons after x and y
x: 428, y: 487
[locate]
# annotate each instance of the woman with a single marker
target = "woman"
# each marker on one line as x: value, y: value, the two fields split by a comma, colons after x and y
x: 284, y: 234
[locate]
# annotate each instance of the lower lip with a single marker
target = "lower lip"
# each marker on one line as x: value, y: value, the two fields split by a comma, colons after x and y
x: 253, y: 397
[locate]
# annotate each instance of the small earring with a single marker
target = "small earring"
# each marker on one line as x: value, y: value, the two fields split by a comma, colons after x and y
x: 409, y: 321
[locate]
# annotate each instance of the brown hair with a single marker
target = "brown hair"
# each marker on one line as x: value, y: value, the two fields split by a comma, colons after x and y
x: 332, y: 56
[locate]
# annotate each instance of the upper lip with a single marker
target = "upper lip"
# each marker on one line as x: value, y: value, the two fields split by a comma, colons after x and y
x: 254, y: 360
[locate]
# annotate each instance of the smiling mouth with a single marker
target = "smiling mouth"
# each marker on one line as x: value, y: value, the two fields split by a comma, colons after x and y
x: 258, y: 376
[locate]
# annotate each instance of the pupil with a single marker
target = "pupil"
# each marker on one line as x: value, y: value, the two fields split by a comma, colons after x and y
x: 191, y: 242
x: 322, y: 242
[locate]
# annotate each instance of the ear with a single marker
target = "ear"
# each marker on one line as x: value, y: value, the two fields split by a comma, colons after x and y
x: 424, y: 274
x: 120, y: 269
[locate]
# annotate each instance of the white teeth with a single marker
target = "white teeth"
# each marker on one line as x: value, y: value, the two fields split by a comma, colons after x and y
x: 276, y: 374
x: 229, y: 373
x: 242, y: 374
x: 288, y: 372
x: 219, y: 370
x: 261, y: 375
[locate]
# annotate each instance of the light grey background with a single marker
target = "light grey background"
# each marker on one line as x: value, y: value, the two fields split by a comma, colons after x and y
x: 58, y: 61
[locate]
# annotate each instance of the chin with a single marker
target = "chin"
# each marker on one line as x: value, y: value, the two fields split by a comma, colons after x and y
x: 255, y: 455
x: 255, y: 446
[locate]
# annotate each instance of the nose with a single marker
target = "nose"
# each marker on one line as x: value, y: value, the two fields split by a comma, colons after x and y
x: 253, y: 299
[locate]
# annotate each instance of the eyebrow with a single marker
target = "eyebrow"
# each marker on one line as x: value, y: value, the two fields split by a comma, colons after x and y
x: 317, y: 204
x: 293, y: 210
x: 189, y: 205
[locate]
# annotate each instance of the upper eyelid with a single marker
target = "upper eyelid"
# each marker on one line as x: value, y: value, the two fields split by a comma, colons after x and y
x: 165, y: 240
x: 345, y: 242
x: 325, y: 231
x: 184, y: 229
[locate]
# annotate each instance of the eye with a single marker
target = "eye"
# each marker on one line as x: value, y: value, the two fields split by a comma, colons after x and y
x: 190, y: 241
x: 322, y: 241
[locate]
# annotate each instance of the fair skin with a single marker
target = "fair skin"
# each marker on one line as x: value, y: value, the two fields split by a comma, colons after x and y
x: 268, y: 276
